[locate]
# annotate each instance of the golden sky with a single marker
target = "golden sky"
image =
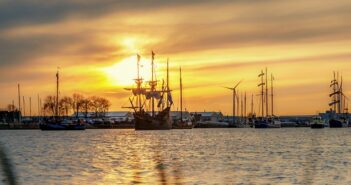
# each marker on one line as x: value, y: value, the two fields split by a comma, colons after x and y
x: 217, y: 43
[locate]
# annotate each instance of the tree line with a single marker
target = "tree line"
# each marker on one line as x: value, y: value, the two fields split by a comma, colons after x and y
x: 76, y: 103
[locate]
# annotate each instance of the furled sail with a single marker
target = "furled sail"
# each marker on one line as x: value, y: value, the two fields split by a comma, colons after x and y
x: 153, y: 94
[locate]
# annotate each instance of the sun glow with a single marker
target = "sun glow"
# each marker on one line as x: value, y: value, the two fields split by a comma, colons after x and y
x: 124, y: 72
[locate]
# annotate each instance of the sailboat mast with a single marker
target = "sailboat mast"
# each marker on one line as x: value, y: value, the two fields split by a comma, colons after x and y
x: 245, y: 105
x: 262, y: 94
x: 252, y: 104
x: 241, y: 105
x: 139, y: 83
x: 181, y: 94
x: 19, y: 97
x: 24, y: 106
x: 272, y: 101
x: 38, y: 106
x: 30, y: 106
x: 57, y: 93
x: 266, y: 93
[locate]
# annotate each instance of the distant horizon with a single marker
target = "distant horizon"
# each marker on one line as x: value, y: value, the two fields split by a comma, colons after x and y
x: 217, y: 44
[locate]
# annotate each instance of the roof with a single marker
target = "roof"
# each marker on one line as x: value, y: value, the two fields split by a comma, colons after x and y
x: 107, y: 114
x: 208, y: 114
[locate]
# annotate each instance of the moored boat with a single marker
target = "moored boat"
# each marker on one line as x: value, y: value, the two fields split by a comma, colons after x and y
x: 267, y: 123
x: 266, y: 120
x: 56, y: 123
x: 317, y: 122
x: 62, y: 125
x: 154, y: 120
x: 338, y: 122
x: 182, y: 123
x: 339, y: 113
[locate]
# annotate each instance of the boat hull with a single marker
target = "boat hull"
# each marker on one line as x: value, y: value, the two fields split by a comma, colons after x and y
x: 162, y: 121
x: 182, y: 125
x: 264, y: 124
x: 50, y: 126
x: 335, y: 123
x: 316, y: 125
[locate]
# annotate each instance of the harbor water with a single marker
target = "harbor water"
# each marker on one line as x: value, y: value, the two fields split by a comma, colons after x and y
x: 194, y: 156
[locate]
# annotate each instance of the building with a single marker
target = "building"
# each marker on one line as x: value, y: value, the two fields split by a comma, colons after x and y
x: 118, y: 116
x: 208, y: 116
x: 10, y: 117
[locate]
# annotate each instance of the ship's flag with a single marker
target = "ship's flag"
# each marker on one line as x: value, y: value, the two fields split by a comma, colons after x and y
x: 138, y: 57
x: 153, y: 55
x: 169, y: 97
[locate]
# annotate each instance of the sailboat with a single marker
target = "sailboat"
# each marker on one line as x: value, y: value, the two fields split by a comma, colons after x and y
x: 266, y: 121
x: 150, y: 120
x: 339, y: 117
x: 57, y: 123
x: 182, y: 123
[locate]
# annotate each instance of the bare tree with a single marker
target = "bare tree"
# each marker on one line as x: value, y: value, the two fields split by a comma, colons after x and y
x: 77, y: 103
x: 11, y: 107
x: 99, y: 105
x: 49, y: 105
x: 86, y: 105
x: 66, y: 104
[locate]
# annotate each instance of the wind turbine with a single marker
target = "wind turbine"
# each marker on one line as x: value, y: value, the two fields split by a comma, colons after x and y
x: 234, y: 95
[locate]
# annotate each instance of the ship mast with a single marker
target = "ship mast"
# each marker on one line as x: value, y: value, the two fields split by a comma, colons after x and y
x: 252, y: 104
x: 167, y: 82
x: 139, y: 81
x: 267, y: 112
x: 19, y: 97
x: 152, y: 83
x: 334, y: 91
x: 262, y: 92
x: 181, y: 94
x: 245, y: 100
x: 272, y: 101
x: 57, y: 94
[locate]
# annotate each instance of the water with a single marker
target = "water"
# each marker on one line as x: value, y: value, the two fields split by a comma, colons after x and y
x: 198, y: 156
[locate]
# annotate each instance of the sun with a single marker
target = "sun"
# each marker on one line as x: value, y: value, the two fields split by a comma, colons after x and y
x: 124, y: 72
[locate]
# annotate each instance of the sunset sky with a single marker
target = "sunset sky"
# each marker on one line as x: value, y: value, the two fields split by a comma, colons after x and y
x: 217, y: 43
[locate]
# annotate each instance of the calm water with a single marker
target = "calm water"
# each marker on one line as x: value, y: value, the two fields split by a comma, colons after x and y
x: 198, y: 156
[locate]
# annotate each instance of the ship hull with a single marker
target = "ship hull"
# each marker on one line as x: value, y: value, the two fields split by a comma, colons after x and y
x: 317, y: 125
x: 162, y: 121
x: 182, y: 125
x: 51, y: 126
x: 334, y: 123
x: 264, y: 124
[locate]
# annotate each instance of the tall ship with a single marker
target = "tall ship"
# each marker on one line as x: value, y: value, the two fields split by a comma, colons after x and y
x: 266, y: 120
x: 182, y: 123
x: 56, y: 122
x: 339, y: 117
x: 150, y: 96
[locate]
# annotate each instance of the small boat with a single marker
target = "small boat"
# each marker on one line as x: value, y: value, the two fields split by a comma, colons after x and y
x: 267, y: 123
x: 62, y: 125
x: 57, y: 123
x: 317, y: 122
x: 182, y: 123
